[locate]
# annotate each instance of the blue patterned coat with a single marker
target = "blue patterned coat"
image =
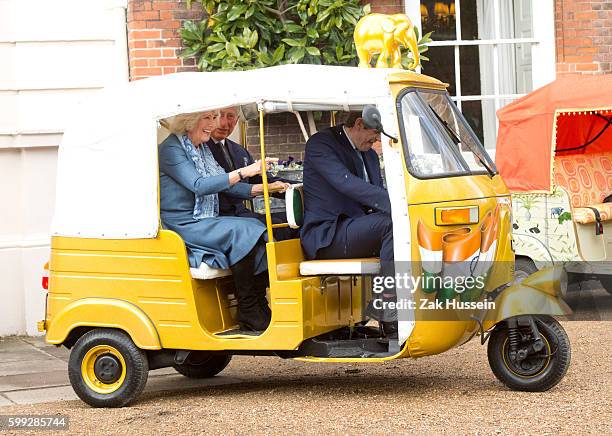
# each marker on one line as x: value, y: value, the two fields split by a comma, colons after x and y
x: 218, y: 241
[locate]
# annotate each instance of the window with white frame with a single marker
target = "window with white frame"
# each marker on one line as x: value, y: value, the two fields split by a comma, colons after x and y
x: 488, y: 51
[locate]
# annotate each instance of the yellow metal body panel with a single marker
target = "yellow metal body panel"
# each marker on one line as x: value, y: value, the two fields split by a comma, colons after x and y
x: 325, y: 304
x: 540, y: 293
x: 399, y: 80
x: 103, y: 312
x: 144, y: 288
x: 424, y: 196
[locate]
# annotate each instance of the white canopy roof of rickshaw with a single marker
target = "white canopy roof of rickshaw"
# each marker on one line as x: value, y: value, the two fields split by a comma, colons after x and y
x: 107, y: 178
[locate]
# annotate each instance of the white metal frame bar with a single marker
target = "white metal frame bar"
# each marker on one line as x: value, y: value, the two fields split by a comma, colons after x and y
x: 484, y: 42
x: 478, y: 97
x: 457, y: 59
x: 496, y: 9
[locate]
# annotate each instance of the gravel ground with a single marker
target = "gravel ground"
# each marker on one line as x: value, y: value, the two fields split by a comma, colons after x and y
x: 454, y: 392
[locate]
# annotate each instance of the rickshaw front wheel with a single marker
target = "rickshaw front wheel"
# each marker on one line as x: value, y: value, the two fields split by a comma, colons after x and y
x: 534, y: 371
x: 106, y: 369
x: 201, y: 364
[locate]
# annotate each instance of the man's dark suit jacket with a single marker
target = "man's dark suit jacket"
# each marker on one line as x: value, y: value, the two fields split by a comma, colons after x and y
x: 334, y: 188
x: 232, y: 206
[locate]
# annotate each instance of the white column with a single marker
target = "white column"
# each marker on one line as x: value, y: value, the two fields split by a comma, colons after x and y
x: 543, y: 53
x: 413, y: 10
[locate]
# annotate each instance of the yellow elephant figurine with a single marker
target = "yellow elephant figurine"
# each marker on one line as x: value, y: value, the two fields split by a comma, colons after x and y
x: 380, y: 33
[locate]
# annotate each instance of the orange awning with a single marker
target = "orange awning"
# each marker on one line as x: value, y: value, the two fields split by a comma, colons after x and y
x: 525, y: 146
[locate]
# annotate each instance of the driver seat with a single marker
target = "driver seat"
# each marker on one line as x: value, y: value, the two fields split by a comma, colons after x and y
x: 294, y: 206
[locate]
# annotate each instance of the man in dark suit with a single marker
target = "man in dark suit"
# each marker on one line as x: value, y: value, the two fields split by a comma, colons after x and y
x: 347, y: 212
x: 232, y: 156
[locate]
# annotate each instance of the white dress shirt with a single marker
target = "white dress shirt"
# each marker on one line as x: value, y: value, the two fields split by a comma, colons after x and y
x: 365, y: 171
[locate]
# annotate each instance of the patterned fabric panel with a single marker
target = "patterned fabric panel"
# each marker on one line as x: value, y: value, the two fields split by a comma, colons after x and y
x: 583, y: 215
x: 586, y: 177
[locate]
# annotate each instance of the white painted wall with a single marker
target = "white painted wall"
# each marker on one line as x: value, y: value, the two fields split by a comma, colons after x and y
x: 53, y: 54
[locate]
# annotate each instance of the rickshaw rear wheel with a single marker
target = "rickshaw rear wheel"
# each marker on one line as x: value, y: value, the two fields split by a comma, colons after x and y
x: 106, y: 368
x: 201, y: 364
x: 539, y: 371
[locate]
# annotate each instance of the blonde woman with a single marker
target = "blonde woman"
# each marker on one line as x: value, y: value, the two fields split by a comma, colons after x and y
x: 190, y: 180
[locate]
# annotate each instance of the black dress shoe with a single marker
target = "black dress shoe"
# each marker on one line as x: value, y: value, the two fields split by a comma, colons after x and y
x: 255, y: 320
x: 248, y: 330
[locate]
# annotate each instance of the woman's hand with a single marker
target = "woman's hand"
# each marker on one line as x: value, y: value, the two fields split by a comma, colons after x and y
x: 278, y: 186
x: 255, y: 168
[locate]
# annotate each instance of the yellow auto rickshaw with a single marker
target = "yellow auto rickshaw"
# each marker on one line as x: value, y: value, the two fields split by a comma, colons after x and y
x: 123, y: 298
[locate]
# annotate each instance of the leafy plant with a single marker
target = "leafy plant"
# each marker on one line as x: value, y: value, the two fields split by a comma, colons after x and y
x: 422, y: 46
x: 239, y: 34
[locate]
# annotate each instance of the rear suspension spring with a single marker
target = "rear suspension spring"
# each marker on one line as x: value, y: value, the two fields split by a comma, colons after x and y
x: 513, y: 338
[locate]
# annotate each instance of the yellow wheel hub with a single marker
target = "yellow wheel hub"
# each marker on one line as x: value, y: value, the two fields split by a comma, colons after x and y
x: 103, y: 369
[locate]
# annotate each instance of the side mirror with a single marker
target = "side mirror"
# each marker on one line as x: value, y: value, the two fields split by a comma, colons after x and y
x: 372, y: 120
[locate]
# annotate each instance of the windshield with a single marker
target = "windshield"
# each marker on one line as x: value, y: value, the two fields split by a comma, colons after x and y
x: 437, y: 139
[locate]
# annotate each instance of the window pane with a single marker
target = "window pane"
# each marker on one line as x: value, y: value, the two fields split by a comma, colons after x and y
x: 489, y: 123
x: 438, y: 17
x: 468, y: 144
x: 469, y: 19
x: 516, y: 19
x: 514, y: 68
x: 441, y: 65
x: 472, y: 111
x: 524, y: 82
x: 476, y: 66
x: 430, y: 149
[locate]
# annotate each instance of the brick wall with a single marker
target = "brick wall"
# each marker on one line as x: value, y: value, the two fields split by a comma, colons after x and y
x: 583, y: 36
x: 387, y: 6
x: 154, y: 41
x: 283, y: 135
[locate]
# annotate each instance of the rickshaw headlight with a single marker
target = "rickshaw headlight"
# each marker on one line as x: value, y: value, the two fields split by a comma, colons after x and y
x: 445, y: 216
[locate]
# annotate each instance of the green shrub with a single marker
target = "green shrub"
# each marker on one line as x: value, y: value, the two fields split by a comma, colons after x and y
x: 239, y: 35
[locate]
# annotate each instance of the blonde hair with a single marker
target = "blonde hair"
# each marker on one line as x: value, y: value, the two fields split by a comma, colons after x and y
x: 185, y: 122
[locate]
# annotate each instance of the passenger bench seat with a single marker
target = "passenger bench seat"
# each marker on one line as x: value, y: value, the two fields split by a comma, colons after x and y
x: 587, y: 179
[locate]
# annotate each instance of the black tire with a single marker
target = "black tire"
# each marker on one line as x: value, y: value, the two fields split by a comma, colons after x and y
x: 606, y: 283
x: 203, y: 365
x: 547, y: 369
x: 134, y: 368
x: 524, y: 267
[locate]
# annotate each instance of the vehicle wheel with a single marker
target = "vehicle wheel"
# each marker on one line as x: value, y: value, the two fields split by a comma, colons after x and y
x: 106, y: 369
x: 203, y: 365
x: 538, y: 372
x: 606, y: 283
x: 523, y: 268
